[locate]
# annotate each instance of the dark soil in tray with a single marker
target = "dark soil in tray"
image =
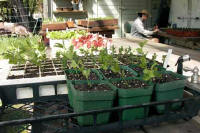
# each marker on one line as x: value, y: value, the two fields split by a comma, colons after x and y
x: 58, y: 65
x: 93, y: 87
x: 110, y: 74
x: 16, y: 77
x: 46, y: 66
x: 137, y: 69
x: 32, y: 67
x: 17, y: 68
x: 127, y: 61
x: 48, y: 70
x: 48, y: 74
x: 128, y: 84
x: 61, y: 73
x: 90, y: 66
x: 31, y: 75
x: 79, y: 76
x: 32, y: 71
x: 59, y: 69
x: 165, y: 78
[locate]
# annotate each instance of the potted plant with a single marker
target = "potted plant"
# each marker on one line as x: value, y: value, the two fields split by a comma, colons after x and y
x: 169, y: 86
x: 111, y: 69
x: 133, y: 91
x: 86, y: 92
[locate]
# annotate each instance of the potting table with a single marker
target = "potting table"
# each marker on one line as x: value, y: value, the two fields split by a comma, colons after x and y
x: 53, y: 113
x: 190, y: 42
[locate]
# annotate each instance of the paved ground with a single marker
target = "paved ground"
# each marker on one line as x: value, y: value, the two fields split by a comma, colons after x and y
x: 173, y: 127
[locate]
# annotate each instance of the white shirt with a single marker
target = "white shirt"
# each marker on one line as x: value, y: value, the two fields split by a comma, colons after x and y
x: 137, y: 29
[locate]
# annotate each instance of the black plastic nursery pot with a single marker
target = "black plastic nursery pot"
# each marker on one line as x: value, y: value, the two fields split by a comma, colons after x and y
x: 170, y: 91
x: 72, y: 71
x: 92, y: 100
x: 134, y: 96
x: 124, y: 68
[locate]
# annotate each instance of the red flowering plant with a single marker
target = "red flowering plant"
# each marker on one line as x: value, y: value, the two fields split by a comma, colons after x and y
x: 91, y: 42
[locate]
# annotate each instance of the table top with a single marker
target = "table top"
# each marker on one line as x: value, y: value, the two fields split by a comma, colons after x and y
x: 193, y: 86
x: 165, y: 34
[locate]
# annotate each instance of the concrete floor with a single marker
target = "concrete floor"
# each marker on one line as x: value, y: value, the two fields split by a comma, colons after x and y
x: 173, y: 127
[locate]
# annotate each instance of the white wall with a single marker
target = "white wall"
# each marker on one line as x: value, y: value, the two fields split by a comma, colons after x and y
x: 185, y: 9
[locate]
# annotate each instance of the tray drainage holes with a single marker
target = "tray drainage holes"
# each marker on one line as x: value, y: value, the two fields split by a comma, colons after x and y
x: 62, y: 89
x: 24, y: 93
x: 46, y: 90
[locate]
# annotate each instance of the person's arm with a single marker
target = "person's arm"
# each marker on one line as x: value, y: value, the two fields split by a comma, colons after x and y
x: 141, y: 30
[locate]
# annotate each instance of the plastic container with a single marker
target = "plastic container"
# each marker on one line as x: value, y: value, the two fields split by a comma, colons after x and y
x: 69, y: 82
x: 134, y: 96
x: 170, y: 91
x: 92, y: 100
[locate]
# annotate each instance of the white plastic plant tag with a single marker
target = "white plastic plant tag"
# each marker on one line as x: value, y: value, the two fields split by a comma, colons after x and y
x: 47, y: 30
x: 167, y: 58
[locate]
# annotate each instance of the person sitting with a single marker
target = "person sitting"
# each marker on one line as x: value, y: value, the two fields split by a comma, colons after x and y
x: 138, y: 30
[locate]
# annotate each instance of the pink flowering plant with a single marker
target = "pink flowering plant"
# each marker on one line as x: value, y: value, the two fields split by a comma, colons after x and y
x: 91, y: 42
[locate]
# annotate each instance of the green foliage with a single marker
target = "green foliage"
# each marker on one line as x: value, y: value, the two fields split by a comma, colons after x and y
x: 25, y: 49
x: 57, y: 20
x: 15, y: 114
x: 64, y: 35
x: 71, y: 60
x: 152, y: 72
x: 4, y: 43
x: 164, y: 58
x: 101, y: 18
x: 107, y: 61
x: 149, y: 72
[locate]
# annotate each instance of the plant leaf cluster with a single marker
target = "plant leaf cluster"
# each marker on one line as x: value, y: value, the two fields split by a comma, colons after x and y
x: 25, y: 49
x: 65, y: 35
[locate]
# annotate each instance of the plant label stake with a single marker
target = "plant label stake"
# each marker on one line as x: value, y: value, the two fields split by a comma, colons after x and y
x: 47, y: 30
x: 167, y: 58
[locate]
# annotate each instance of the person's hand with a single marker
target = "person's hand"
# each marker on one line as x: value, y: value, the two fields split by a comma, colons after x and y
x: 156, y: 30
